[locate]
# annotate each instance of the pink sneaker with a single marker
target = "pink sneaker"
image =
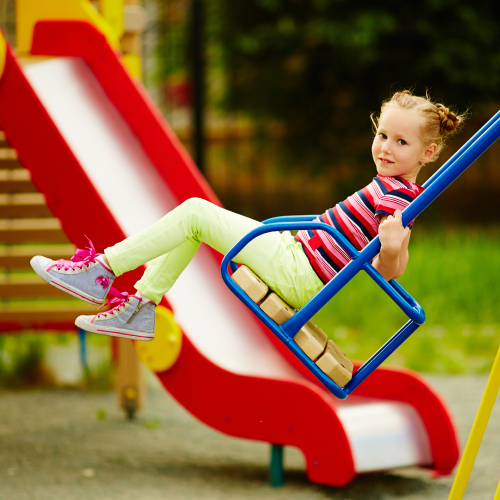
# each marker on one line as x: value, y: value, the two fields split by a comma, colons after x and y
x: 131, y: 318
x: 84, y: 276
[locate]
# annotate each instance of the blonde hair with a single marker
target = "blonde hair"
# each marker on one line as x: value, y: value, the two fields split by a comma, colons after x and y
x: 438, y: 122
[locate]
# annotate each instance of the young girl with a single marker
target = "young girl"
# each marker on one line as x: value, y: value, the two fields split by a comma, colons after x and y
x: 410, y: 133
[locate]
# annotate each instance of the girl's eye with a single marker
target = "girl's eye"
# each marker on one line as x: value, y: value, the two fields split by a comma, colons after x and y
x: 382, y: 136
x: 401, y: 142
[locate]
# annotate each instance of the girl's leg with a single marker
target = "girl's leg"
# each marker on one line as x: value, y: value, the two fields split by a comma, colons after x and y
x: 163, y: 271
x: 277, y: 259
x: 171, y: 243
x: 194, y: 220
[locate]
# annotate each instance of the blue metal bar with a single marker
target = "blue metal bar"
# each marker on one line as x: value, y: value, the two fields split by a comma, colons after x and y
x: 82, y: 338
x: 291, y: 226
x: 457, y: 165
x: 380, y: 356
x: 296, y: 322
x: 283, y: 218
x: 459, y: 153
x: 290, y: 218
x: 476, y: 146
x: 294, y: 327
x: 284, y: 337
x: 399, y: 295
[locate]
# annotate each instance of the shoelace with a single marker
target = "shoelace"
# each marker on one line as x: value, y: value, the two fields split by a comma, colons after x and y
x: 82, y: 257
x: 119, y: 298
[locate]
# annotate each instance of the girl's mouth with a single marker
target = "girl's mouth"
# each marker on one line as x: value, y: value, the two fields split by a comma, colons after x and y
x: 385, y: 161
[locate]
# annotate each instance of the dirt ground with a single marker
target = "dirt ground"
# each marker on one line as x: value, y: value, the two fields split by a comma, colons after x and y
x: 53, y: 445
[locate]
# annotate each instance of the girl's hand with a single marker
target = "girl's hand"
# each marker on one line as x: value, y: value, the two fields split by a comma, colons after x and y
x: 394, y: 238
x: 392, y: 234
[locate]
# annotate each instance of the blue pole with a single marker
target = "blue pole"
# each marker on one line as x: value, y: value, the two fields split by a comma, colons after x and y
x: 454, y: 168
x: 276, y: 466
x: 380, y: 356
x: 82, y: 338
x: 459, y: 153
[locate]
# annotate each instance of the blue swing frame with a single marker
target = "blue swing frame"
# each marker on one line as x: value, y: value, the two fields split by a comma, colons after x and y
x: 361, y: 261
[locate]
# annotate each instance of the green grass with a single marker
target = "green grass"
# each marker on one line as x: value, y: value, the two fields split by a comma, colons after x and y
x: 22, y: 361
x: 455, y: 276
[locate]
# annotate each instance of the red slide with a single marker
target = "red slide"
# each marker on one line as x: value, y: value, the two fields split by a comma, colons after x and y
x: 109, y: 165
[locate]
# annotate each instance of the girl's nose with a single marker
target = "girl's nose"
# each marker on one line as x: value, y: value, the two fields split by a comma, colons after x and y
x: 386, y: 148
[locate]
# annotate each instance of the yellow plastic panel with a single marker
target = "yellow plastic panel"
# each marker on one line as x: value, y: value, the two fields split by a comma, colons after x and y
x: 29, y: 12
x: 161, y: 353
x: 112, y: 11
x: 3, y: 53
x: 133, y: 64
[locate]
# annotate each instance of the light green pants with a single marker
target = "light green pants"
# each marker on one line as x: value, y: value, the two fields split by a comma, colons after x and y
x: 172, y: 242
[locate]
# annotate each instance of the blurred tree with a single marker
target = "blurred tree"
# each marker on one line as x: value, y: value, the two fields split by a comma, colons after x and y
x: 315, y: 69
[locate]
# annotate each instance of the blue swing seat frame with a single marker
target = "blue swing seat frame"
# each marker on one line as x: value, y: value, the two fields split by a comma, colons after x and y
x: 361, y: 261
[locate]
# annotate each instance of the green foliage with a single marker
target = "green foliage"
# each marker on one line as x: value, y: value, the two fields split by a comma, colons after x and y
x: 454, y: 276
x: 152, y: 424
x: 173, y: 38
x: 99, y: 377
x: 101, y: 414
x: 320, y: 67
x: 22, y: 361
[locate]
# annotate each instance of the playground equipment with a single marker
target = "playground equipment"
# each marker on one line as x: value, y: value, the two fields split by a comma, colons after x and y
x: 361, y: 261
x: 78, y: 121
x: 476, y: 434
x: 28, y: 225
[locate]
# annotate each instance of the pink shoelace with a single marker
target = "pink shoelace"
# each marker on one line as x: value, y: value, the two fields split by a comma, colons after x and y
x: 81, y: 258
x: 119, y: 298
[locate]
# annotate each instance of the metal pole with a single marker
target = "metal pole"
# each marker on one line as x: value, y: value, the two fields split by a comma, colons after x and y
x: 497, y: 493
x: 198, y: 83
x: 477, y: 432
x: 276, y: 466
x: 82, y: 338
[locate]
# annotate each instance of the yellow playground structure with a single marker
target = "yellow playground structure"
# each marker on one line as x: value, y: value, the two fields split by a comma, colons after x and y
x: 476, y: 434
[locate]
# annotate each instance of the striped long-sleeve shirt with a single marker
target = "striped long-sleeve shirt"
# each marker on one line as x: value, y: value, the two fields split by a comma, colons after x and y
x: 358, y: 219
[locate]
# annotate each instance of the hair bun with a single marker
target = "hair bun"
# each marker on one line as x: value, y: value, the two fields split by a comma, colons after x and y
x: 449, y: 120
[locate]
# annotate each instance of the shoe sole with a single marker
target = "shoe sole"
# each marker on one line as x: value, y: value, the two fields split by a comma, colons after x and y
x: 112, y: 332
x: 48, y: 278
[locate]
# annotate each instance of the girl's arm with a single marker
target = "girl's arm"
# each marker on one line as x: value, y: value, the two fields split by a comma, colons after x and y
x: 393, y: 257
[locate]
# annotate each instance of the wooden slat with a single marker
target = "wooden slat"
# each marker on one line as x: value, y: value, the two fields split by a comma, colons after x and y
x: 27, y: 287
x: 17, y: 180
x: 31, y: 231
x: 7, y: 153
x: 23, y: 315
x: 18, y: 257
x: 17, y: 174
x: 23, y: 205
x: 8, y: 156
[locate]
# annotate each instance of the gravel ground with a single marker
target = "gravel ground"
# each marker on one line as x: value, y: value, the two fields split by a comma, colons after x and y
x: 54, y: 446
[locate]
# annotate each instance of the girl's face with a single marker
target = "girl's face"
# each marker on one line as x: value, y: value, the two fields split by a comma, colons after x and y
x: 397, y: 148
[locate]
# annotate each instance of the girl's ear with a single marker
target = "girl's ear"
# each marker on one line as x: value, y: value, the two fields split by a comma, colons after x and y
x: 429, y: 153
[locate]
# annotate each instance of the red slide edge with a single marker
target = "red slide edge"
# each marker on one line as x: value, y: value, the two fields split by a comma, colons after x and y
x: 400, y: 384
